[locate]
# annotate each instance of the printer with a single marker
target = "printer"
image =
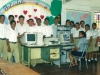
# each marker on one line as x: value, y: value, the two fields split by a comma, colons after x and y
x: 51, y: 41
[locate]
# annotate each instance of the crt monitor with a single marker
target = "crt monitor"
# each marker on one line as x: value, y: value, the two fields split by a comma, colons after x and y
x: 29, y: 38
x: 64, y: 38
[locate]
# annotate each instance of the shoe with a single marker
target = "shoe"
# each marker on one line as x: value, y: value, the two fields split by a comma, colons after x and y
x: 89, y: 60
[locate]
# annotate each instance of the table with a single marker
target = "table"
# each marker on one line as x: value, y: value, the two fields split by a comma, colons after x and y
x: 16, y: 69
x: 48, y: 53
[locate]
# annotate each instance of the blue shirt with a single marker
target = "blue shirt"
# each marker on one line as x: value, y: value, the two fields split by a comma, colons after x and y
x: 82, y: 45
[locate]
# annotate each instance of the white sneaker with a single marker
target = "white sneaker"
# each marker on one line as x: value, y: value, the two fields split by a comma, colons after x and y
x: 89, y: 60
x: 95, y: 59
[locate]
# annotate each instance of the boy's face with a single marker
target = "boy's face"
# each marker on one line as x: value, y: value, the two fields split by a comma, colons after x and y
x: 13, y: 25
x: 93, y: 27
x: 2, y: 19
x: 30, y: 22
x: 21, y: 20
x: 82, y: 24
x: 86, y: 28
x: 47, y: 22
x: 77, y: 26
x: 56, y: 20
x: 11, y: 18
x: 38, y: 22
x: 68, y: 23
x: 80, y: 35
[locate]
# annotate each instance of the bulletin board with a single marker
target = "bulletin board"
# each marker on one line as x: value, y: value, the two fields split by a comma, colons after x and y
x: 78, y: 15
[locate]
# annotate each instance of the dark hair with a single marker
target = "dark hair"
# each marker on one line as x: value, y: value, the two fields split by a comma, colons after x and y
x: 10, y: 16
x: 38, y: 19
x: 2, y: 16
x: 94, y: 24
x: 77, y: 23
x: 12, y: 21
x: 83, y: 33
x: 72, y: 22
x: 30, y: 19
x: 21, y: 16
x: 55, y: 18
x: 67, y: 20
x: 87, y: 26
x: 46, y: 19
x: 82, y: 21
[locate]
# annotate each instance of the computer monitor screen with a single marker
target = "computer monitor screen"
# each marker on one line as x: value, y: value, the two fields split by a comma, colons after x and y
x: 31, y: 37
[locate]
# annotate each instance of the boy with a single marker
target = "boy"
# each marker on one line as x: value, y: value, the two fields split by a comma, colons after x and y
x: 12, y: 42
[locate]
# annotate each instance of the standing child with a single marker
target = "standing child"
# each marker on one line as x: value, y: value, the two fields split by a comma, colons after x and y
x: 12, y: 36
x: 95, y: 41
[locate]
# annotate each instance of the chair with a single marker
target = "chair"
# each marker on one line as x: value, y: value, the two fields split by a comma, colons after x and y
x: 80, y: 57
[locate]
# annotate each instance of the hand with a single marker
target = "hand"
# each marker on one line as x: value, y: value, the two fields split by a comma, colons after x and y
x: 20, y: 43
x: 9, y: 50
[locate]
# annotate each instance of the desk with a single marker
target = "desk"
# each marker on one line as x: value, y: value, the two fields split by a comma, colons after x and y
x: 16, y: 69
x: 48, y: 53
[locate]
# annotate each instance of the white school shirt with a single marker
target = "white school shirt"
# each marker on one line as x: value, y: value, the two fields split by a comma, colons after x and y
x: 48, y: 31
x: 21, y: 29
x: 12, y: 35
x: 82, y: 29
x: 88, y: 34
x: 75, y: 32
x: 3, y: 30
x: 32, y: 29
x: 95, y: 33
x: 40, y: 29
x: 54, y: 28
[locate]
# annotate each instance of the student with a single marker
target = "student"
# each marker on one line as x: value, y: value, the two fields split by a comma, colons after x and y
x: 21, y: 29
x: 31, y: 27
x: 67, y: 22
x: 75, y: 33
x: 48, y: 28
x: 10, y: 18
x: 40, y: 28
x: 54, y: 27
x: 72, y: 24
x: 3, y: 32
x: 12, y: 36
x: 89, y: 38
x: 82, y: 26
x: 78, y: 50
x: 95, y: 36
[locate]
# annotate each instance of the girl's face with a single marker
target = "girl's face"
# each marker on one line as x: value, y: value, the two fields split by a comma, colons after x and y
x: 80, y: 35
x: 86, y: 28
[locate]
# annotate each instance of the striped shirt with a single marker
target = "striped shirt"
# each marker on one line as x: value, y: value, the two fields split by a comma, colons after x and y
x: 82, y: 45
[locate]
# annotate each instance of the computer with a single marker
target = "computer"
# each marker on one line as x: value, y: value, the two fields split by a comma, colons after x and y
x: 64, y: 38
x: 29, y: 38
x: 32, y: 39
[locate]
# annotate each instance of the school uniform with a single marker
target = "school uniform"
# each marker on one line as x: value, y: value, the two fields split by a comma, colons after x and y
x: 95, y: 34
x: 21, y: 29
x: 88, y: 35
x: 82, y: 29
x: 40, y: 29
x: 32, y: 29
x: 54, y: 28
x: 3, y: 44
x: 75, y: 34
x: 12, y: 37
x: 48, y: 31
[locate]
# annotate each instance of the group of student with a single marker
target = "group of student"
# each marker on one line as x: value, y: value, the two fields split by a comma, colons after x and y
x: 80, y: 30
x: 11, y: 34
